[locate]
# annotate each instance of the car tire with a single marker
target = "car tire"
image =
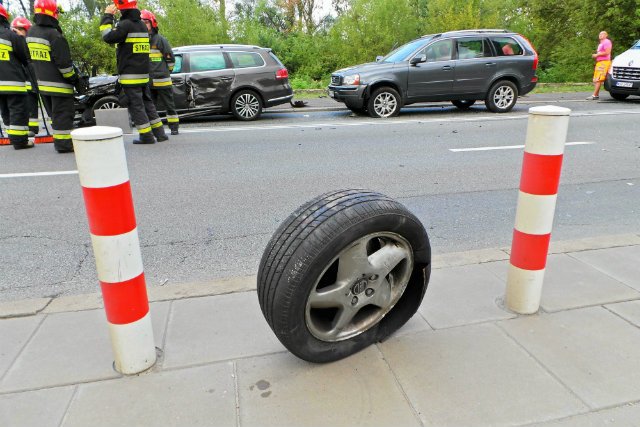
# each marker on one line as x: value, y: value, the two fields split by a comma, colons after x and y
x: 105, y: 103
x: 502, y: 96
x: 619, y: 96
x: 384, y: 102
x: 463, y: 104
x: 299, y: 289
x: 246, y: 105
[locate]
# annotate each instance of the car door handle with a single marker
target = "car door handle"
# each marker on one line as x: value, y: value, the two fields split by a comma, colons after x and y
x: 447, y: 68
x: 490, y: 64
x: 226, y: 78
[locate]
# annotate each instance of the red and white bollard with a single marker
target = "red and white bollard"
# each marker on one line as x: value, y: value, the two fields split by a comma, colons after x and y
x: 102, y: 167
x: 541, y: 167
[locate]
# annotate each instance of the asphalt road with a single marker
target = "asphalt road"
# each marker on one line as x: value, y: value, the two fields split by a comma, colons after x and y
x: 208, y: 200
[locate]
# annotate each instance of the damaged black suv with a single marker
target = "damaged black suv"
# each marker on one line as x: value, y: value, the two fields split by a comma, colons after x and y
x: 208, y: 79
x: 458, y: 66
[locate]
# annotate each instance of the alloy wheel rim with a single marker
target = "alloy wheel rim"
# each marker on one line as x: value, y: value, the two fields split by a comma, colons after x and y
x: 359, y: 287
x: 247, y: 105
x: 385, y: 104
x: 503, y: 97
x: 108, y: 106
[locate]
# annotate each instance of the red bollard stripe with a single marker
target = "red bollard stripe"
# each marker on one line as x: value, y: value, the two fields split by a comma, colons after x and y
x: 540, y: 174
x: 125, y: 302
x: 529, y: 251
x: 110, y: 210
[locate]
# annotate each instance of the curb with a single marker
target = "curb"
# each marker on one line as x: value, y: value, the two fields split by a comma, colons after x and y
x: 92, y: 301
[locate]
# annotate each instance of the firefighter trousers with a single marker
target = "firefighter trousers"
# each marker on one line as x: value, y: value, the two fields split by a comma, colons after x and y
x: 34, y: 123
x: 61, y: 111
x: 163, y: 99
x: 15, y: 116
x: 143, y: 112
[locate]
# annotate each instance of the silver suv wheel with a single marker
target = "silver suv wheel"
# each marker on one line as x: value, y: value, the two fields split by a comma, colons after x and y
x: 502, y: 96
x: 246, y: 105
x: 384, y: 102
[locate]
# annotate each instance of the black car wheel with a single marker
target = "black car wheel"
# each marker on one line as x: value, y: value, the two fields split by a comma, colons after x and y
x: 463, y: 104
x: 246, y: 105
x: 384, y: 102
x: 105, y: 103
x: 502, y: 97
x: 619, y: 96
x: 344, y: 271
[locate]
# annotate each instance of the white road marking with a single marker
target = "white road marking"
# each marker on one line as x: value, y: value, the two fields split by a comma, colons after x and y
x: 507, y: 147
x: 390, y: 122
x: 22, y: 175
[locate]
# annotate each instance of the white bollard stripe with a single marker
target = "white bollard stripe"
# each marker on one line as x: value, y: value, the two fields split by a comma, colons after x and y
x: 118, y: 258
x: 534, y: 214
x: 101, y: 163
x: 133, y: 346
x: 524, y: 290
x: 546, y: 134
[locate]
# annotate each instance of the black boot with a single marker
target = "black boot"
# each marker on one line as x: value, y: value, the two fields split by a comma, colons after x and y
x: 158, y: 132
x: 28, y: 144
x: 174, y: 128
x: 145, y: 138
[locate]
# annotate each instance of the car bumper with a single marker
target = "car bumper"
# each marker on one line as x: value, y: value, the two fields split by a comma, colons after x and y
x: 627, y: 87
x: 352, y: 96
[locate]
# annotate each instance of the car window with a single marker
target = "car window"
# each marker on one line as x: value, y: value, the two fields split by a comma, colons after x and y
x: 438, y: 51
x: 246, y: 59
x: 506, y: 46
x: 469, y: 48
x: 207, y: 61
x: 403, y: 52
x: 177, y: 68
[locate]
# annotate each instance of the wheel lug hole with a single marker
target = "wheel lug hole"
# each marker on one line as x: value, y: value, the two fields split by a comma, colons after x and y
x: 374, y: 277
x: 354, y: 300
x: 369, y: 292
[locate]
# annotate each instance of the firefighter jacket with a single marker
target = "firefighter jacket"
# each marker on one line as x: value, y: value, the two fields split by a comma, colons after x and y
x: 132, y: 38
x: 162, y: 61
x: 51, y: 57
x: 14, y: 56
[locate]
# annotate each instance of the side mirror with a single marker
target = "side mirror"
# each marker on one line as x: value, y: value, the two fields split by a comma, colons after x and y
x: 379, y: 58
x: 418, y: 59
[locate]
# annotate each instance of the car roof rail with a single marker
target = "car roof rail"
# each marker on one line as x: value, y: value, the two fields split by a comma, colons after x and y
x: 480, y: 30
x: 218, y: 46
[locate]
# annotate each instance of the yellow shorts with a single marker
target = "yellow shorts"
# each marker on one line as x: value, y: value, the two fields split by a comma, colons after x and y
x: 600, y: 72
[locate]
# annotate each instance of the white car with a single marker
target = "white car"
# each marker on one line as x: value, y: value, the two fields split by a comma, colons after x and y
x: 623, y: 78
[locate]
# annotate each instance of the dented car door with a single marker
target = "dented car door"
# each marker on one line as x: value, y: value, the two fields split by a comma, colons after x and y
x: 209, y: 80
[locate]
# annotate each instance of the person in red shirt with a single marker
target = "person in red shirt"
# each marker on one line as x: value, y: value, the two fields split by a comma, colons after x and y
x: 603, y: 62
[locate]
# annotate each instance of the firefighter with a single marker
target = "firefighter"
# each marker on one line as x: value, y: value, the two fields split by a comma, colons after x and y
x: 20, y: 26
x: 162, y: 62
x: 133, y: 67
x: 14, y: 56
x: 55, y: 74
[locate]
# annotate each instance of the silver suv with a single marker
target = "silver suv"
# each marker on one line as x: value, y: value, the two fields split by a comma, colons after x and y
x: 458, y: 66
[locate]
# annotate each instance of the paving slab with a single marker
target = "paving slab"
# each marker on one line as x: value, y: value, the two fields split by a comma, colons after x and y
x: 592, y: 351
x: 280, y: 390
x: 40, y: 408
x: 202, y: 396
x: 476, y: 376
x: 461, y: 296
x: 210, y: 329
x: 569, y: 283
x: 14, y: 334
x: 624, y: 416
x: 622, y: 264
x: 627, y: 310
x: 71, y: 348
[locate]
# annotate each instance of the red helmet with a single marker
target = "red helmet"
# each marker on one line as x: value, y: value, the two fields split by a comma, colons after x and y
x: 21, y: 22
x: 126, y: 4
x: 46, y: 7
x: 3, y: 12
x: 146, y: 15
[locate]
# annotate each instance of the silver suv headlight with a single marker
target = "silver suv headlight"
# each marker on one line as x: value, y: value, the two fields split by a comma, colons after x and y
x: 353, y: 79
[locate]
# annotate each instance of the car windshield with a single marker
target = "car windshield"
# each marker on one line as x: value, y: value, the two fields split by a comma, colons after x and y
x: 401, y: 53
x: 636, y: 45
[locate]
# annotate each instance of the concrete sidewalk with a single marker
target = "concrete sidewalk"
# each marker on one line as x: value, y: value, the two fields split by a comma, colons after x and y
x: 461, y: 361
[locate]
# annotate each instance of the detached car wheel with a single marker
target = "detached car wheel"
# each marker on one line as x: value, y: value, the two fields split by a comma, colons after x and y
x: 384, y: 102
x: 246, y: 105
x: 344, y: 271
x: 502, y: 97
x: 463, y: 104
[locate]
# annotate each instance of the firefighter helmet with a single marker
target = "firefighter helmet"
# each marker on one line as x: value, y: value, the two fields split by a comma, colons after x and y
x: 3, y: 12
x: 46, y: 7
x: 21, y: 22
x: 149, y: 16
x: 126, y: 4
